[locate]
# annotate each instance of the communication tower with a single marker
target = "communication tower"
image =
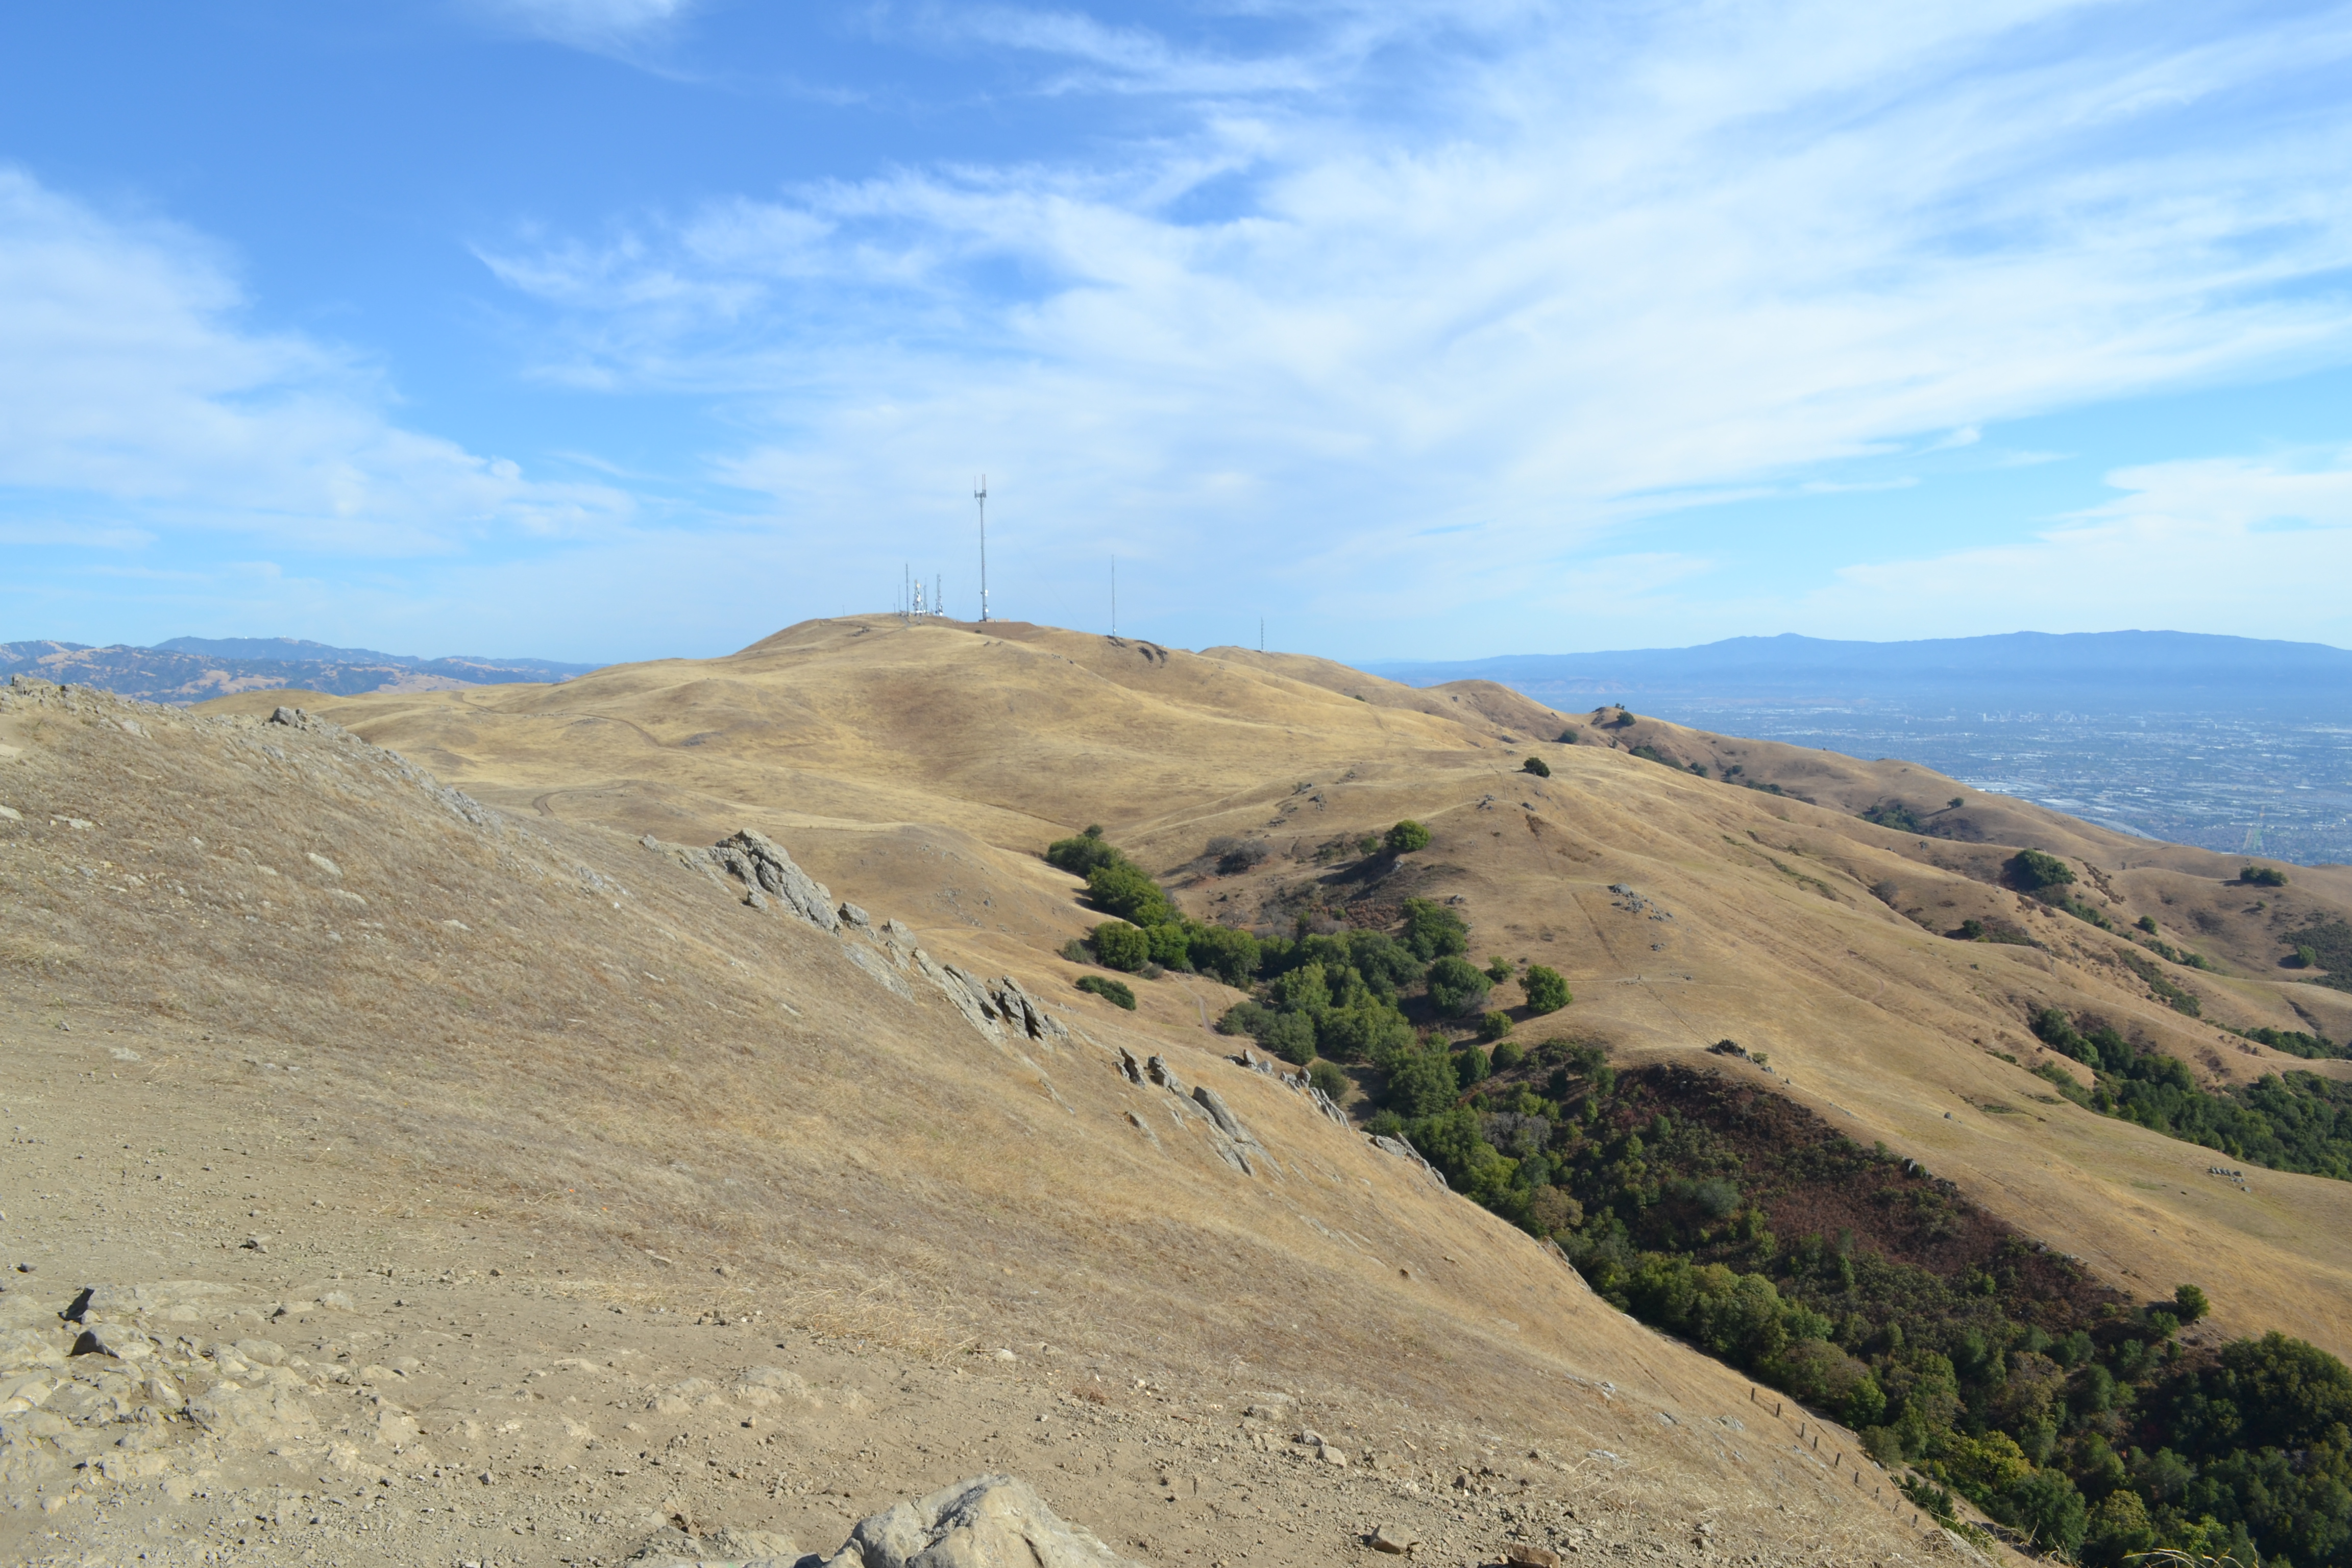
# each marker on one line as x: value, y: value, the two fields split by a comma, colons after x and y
x: 979, y: 494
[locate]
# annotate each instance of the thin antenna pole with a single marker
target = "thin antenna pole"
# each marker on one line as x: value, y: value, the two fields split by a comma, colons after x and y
x: 979, y: 494
x: 1261, y: 634
x: 1114, y: 595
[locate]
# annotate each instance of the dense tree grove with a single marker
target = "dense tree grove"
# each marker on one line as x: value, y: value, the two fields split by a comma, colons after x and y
x: 1984, y: 1362
x: 1342, y: 997
x: 2300, y: 1122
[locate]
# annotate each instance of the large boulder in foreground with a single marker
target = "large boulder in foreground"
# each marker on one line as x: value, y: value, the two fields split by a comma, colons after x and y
x: 988, y: 1521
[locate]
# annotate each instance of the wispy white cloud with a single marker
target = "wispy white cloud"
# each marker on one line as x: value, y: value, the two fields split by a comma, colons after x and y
x: 132, y: 382
x: 1589, y: 260
x: 2200, y: 545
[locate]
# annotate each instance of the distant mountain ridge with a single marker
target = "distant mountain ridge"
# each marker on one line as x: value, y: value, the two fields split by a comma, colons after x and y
x: 2129, y: 668
x: 196, y: 670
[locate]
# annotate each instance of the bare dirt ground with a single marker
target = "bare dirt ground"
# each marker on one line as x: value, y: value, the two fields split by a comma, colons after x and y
x: 450, y: 1189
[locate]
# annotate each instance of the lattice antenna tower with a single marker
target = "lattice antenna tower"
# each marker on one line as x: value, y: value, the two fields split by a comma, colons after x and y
x: 979, y: 494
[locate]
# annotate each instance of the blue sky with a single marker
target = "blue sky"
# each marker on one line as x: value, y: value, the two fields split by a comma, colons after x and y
x: 612, y: 329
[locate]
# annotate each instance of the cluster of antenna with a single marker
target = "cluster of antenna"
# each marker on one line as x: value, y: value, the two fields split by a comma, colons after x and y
x: 914, y: 605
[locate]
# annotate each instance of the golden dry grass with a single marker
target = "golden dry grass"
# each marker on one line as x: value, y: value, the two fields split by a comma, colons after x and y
x: 549, y: 1032
x: 921, y: 768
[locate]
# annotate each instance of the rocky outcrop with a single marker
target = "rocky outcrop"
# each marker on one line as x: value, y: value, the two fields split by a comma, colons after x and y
x: 766, y: 872
x: 1299, y: 1081
x: 988, y: 1520
x: 1405, y: 1150
x: 1235, y: 1143
x: 999, y: 1007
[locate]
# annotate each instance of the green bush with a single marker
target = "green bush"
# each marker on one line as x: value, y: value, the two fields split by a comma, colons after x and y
x: 2263, y: 876
x: 2146, y: 923
x: 2031, y: 871
x: 1507, y: 1055
x: 1083, y: 854
x: 1421, y: 1083
x: 1494, y: 1026
x: 1119, y: 945
x: 1125, y: 890
x: 1498, y: 968
x: 1457, y: 985
x: 1537, y: 766
x: 1432, y: 931
x: 1232, y: 956
x: 1172, y: 945
x: 1471, y: 1067
x: 1405, y: 837
x: 1568, y: 736
x: 1366, y: 1031
x: 1328, y: 1077
x: 1894, y: 814
x: 1290, y: 1035
x: 1547, y: 991
x: 1115, y: 991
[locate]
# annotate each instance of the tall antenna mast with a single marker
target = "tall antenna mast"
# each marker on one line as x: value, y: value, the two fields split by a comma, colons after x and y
x: 1114, y: 595
x: 979, y: 494
x: 1261, y: 634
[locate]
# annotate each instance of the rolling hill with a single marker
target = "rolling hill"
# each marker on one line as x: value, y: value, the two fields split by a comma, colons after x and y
x: 489, y: 1065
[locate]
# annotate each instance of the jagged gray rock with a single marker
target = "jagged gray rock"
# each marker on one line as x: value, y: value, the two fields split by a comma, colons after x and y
x: 1227, y: 1122
x: 1405, y: 1150
x: 1129, y: 1067
x: 988, y: 1521
x: 1163, y: 1075
x: 761, y: 864
x: 1022, y: 1013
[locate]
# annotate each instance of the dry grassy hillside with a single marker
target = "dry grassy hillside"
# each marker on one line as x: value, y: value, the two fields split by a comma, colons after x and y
x: 499, y: 1187
x: 922, y: 768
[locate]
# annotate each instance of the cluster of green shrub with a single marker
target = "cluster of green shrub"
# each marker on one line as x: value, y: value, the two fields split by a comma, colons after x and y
x: 1896, y: 814
x: 2295, y: 1043
x: 1994, y: 1367
x: 1341, y: 998
x: 2177, y: 997
x: 1346, y: 998
x: 2047, y: 877
x: 2298, y: 1122
x: 2171, y: 954
x: 1973, y: 930
x: 1118, y: 993
x: 1149, y: 929
x: 2330, y: 943
x: 2263, y: 876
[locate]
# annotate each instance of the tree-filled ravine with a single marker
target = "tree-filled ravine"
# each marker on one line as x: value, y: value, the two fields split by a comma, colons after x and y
x: 2291, y: 1122
x: 1971, y: 1359
x: 1966, y: 1355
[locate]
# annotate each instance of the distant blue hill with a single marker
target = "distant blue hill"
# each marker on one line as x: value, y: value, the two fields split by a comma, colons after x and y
x: 194, y: 670
x: 2103, y: 670
x: 296, y: 650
